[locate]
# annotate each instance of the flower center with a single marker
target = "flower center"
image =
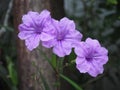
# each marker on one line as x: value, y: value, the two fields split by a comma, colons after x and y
x: 60, y: 37
x: 39, y: 30
x: 89, y: 54
x: 89, y: 58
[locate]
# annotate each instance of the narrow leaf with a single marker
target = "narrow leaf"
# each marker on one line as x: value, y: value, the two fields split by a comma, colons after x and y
x: 44, y: 81
x: 53, y: 61
x: 46, y: 86
x: 77, y: 87
x: 12, y: 71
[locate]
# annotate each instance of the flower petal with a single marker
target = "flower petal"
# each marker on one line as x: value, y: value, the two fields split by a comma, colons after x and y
x: 67, y: 24
x: 32, y: 42
x: 44, y: 18
x: 23, y: 27
x: 82, y: 65
x: 93, y: 42
x: 67, y: 47
x: 76, y: 35
x: 80, y: 50
x: 29, y: 18
x: 101, y: 60
x: 46, y: 36
x: 95, y: 69
x: 103, y: 51
x: 49, y: 44
x: 25, y: 34
x: 58, y: 50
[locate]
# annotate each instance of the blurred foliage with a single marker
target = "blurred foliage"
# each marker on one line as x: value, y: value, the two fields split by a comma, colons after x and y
x: 9, y: 75
x: 98, y: 19
x: 112, y: 1
x: 12, y: 71
x: 8, y: 72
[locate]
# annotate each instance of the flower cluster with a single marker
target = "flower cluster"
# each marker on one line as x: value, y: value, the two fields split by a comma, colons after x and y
x: 62, y: 36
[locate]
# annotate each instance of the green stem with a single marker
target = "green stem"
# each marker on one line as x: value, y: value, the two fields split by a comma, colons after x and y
x: 59, y: 69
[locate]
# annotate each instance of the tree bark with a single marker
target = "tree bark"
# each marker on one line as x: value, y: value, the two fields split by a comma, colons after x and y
x: 28, y: 77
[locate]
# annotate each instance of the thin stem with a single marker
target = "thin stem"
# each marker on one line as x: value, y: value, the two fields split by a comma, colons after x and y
x: 59, y: 70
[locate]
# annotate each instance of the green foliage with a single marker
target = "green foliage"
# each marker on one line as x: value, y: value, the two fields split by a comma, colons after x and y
x: 12, y: 71
x: 4, y: 75
x: 53, y: 61
x: 98, y: 19
x: 9, y: 76
x: 8, y: 73
x: 112, y: 1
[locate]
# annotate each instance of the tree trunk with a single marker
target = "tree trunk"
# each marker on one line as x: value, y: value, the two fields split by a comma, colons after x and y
x: 28, y: 76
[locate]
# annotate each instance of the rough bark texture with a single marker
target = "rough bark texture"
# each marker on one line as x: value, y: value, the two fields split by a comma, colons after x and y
x: 29, y: 81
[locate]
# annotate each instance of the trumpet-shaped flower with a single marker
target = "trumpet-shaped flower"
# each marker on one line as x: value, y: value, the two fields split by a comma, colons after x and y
x: 91, y: 57
x: 34, y: 28
x: 64, y: 37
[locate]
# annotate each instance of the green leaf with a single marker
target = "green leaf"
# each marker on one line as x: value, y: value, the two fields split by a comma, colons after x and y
x: 77, y: 87
x: 53, y: 61
x: 12, y: 72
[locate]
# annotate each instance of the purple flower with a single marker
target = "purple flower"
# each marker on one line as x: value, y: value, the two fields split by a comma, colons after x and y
x: 35, y: 27
x: 91, y: 57
x: 64, y: 36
